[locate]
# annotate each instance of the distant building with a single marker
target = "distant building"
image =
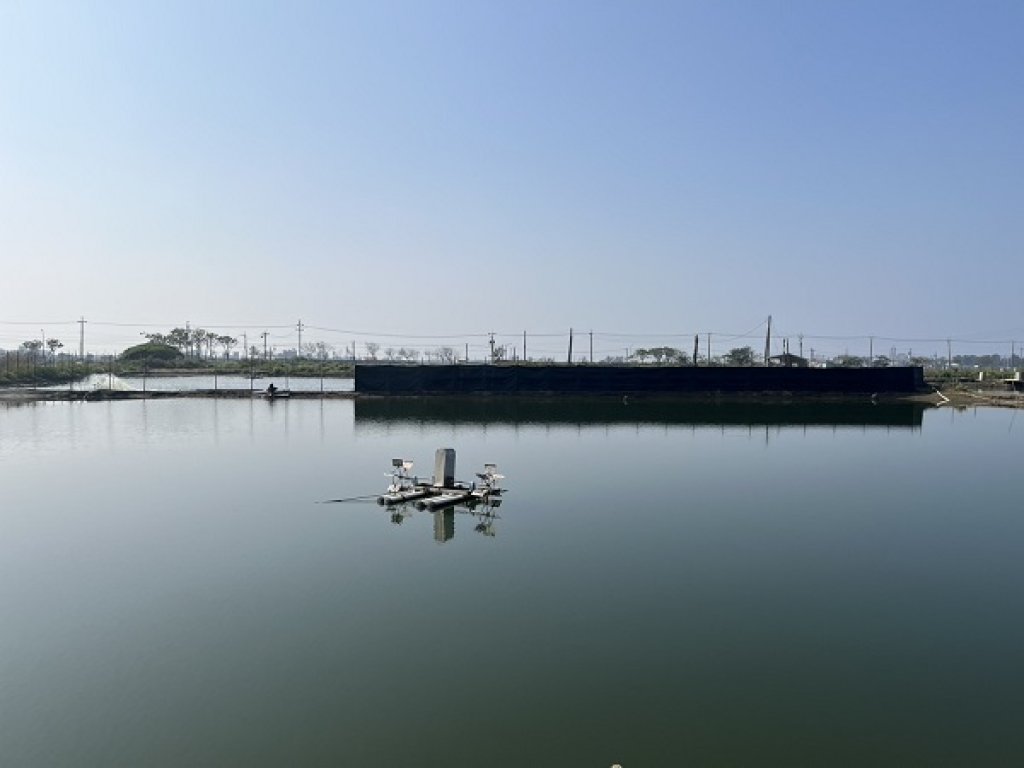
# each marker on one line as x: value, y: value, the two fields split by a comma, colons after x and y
x: 788, y: 360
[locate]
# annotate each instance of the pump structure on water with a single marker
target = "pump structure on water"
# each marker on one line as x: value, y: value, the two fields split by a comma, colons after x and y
x: 443, y: 490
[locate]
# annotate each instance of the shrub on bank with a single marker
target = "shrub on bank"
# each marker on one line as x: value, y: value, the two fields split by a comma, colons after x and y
x: 152, y: 353
x: 42, y: 376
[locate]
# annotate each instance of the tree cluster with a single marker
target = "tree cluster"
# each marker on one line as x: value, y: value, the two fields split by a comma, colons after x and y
x: 34, y: 347
x: 193, y: 342
x: 446, y: 355
x: 661, y: 355
x: 740, y: 356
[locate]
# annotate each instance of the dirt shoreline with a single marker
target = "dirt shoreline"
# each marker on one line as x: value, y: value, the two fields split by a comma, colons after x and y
x: 959, y: 398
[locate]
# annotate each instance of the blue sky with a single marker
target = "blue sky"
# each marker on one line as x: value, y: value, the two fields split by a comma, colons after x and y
x: 454, y: 168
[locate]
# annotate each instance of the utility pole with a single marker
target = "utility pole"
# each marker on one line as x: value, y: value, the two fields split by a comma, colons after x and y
x: 768, y: 342
x: 871, y: 350
x: 491, y: 342
x: 709, y: 348
x: 524, y: 346
x: 949, y: 354
x: 696, y: 348
x: 570, y: 345
x: 591, y: 347
x: 264, y: 335
x: 298, y: 352
x: 81, y: 338
x: 801, y: 338
x: 245, y: 344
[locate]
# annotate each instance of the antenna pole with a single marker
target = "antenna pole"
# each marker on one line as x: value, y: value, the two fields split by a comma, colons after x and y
x: 81, y: 338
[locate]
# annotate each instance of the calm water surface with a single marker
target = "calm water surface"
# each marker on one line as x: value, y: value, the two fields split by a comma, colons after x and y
x: 190, y: 383
x: 664, y: 586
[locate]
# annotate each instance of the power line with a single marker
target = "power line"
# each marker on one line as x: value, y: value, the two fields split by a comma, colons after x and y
x: 38, y: 322
x: 174, y: 325
x: 106, y: 334
x: 381, y: 334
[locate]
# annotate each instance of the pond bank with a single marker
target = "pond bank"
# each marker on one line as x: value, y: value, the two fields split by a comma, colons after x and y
x: 959, y: 398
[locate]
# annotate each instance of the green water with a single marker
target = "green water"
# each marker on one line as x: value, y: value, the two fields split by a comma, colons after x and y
x: 663, y: 586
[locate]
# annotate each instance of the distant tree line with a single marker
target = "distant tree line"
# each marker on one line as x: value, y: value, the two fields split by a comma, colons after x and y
x: 446, y: 355
x: 193, y: 342
x: 33, y: 348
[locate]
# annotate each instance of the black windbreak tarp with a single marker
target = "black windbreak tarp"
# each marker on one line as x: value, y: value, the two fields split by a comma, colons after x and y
x: 385, y: 379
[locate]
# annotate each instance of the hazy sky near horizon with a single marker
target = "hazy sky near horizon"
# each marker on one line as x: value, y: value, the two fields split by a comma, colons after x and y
x: 850, y: 168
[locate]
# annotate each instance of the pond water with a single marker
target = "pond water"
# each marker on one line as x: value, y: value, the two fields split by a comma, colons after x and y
x: 661, y: 586
x: 191, y: 383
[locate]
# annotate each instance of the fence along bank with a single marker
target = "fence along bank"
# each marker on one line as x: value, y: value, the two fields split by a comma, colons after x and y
x: 554, y: 379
